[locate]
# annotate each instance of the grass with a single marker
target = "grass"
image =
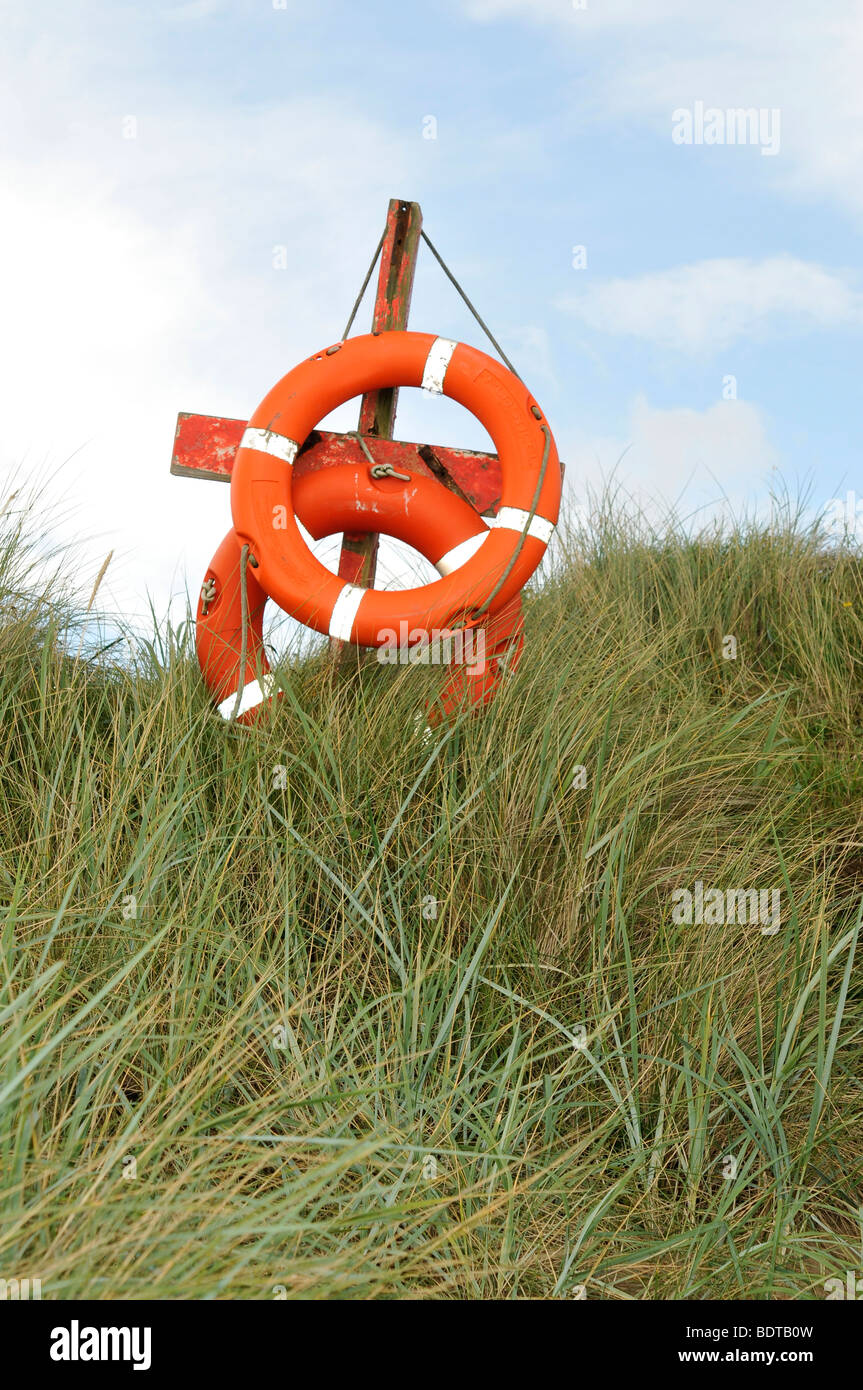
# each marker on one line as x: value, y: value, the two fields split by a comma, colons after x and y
x: 319, y: 1009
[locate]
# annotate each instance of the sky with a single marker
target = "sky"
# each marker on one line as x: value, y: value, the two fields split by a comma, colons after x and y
x: 192, y: 192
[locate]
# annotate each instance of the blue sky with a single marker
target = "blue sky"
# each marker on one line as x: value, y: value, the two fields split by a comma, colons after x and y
x: 139, y: 273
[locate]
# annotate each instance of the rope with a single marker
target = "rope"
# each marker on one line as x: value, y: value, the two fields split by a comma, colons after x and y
x: 484, y: 326
x: 355, y: 434
x: 244, y: 608
x: 350, y: 322
x: 448, y: 273
x: 208, y: 593
x: 378, y: 470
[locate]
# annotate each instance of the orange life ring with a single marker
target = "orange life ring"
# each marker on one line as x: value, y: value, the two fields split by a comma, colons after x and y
x: 262, y: 487
x: 437, y: 523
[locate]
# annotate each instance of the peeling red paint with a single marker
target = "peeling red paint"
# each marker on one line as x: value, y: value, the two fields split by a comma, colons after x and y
x: 205, y: 447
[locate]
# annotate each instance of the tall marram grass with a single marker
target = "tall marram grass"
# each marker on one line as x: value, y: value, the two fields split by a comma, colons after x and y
x: 324, y: 1009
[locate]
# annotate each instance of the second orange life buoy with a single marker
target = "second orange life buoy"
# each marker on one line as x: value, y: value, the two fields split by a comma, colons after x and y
x: 421, y: 512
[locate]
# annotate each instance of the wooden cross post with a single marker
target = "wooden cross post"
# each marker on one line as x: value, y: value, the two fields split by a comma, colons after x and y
x: 358, y: 559
x: 205, y: 445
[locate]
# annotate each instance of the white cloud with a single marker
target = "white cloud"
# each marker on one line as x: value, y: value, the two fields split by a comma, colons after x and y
x: 138, y: 280
x: 688, y: 458
x: 706, y: 306
x: 726, y: 441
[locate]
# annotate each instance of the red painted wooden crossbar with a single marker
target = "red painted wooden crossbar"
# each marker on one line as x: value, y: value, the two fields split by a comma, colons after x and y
x: 205, y: 446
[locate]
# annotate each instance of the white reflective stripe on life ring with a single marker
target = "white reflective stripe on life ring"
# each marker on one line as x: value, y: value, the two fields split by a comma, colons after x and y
x: 268, y: 442
x: 460, y: 554
x: 514, y: 519
x: 344, y: 612
x: 255, y: 693
x: 438, y: 360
